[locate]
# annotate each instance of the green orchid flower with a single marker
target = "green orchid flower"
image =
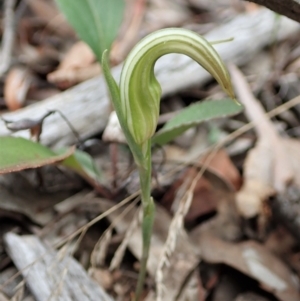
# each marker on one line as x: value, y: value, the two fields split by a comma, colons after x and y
x: 140, y: 91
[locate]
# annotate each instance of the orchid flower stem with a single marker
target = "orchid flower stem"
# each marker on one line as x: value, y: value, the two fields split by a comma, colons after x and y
x: 148, y: 216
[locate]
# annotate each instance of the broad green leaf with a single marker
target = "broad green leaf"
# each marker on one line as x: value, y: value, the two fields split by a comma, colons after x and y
x: 18, y: 153
x: 83, y: 164
x: 96, y: 21
x: 194, y: 115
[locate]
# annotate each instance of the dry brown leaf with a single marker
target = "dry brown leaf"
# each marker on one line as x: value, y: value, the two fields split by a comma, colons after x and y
x: 78, y: 65
x: 252, y: 259
x: 204, y: 198
x: 222, y: 166
x: 80, y: 55
x: 257, y: 185
x: 16, y: 87
x: 221, y: 174
x: 269, y: 167
x: 65, y: 78
x: 103, y: 277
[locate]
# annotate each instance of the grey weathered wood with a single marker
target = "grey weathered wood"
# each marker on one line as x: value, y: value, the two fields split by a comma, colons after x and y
x: 51, y: 276
x: 289, y: 8
x: 87, y: 106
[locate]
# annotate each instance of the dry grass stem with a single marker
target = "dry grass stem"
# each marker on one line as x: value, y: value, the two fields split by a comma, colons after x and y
x: 119, y: 254
x: 99, y: 253
x: 62, y: 255
x: 100, y: 250
x: 19, y: 295
x: 59, y: 287
x: 176, y: 229
x: 97, y: 219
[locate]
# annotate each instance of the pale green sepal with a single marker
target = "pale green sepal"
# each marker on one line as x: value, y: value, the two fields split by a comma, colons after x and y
x: 115, y: 98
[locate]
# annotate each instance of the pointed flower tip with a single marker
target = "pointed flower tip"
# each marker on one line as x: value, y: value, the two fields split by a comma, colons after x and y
x: 236, y: 101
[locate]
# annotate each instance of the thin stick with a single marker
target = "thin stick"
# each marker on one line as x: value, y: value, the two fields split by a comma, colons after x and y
x: 8, y: 36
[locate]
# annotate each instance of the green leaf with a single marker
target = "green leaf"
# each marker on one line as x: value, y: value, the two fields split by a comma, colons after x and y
x: 18, y: 153
x: 83, y: 164
x: 96, y: 21
x: 194, y: 115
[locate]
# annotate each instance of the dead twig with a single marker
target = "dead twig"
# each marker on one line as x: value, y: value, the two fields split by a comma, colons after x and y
x: 289, y: 8
x: 8, y: 36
